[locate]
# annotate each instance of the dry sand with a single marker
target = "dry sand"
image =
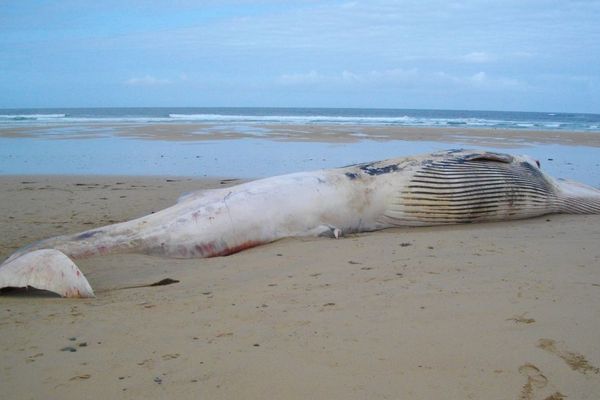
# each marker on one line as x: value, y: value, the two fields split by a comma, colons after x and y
x: 487, y: 311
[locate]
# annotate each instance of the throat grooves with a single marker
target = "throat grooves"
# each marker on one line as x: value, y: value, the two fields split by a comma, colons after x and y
x: 459, y: 191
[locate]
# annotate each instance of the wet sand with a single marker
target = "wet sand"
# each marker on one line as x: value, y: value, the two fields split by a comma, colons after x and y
x: 485, y: 311
x: 335, y: 133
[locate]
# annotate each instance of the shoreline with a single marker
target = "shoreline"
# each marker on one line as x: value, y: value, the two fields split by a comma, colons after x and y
x: 249, y: 151
x: 326, y: 133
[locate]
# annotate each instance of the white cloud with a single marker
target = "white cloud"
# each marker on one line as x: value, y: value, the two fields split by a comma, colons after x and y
x: 479, y: 77
x: 147, y: 80
x: 400, y: 78
x: 482, y: 79
x: 347, y: 77
x: 478, y: 57
x: 302, y: 78
x: 474, y: 57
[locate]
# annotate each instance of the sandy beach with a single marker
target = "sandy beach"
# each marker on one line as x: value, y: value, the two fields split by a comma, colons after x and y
x: 496, y: 311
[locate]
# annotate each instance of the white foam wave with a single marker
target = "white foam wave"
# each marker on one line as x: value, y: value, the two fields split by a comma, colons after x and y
x: 303, y: 119
x: 63, y: 118
x: 368, y: 120
x: 336, y: 119
x: 287, y: 118
x: 16, y: 117
x: 117, y: 120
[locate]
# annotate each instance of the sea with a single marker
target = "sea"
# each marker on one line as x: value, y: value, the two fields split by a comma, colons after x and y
x: 354, y: 116
x: 91, y: 141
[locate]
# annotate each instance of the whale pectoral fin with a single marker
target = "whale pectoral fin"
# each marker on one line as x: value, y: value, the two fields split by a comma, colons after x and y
x: 327, y: 231
x: 489, y: 156
x: 46, y: 269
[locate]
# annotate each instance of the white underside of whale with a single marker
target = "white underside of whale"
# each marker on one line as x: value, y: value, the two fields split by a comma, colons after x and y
x: 433, y: 189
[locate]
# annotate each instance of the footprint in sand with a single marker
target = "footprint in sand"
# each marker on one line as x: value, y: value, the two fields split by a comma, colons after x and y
x: 535, y: 382
x: 521, y: 319
x: 576, y: 361
x: 81, y: 377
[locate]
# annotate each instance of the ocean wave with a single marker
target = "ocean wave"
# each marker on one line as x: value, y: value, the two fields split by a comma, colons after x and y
x: 404, y: 120
x: 65, y: 118
x: 300, y: 119
x: 495, y: 120
x: 31, y: 117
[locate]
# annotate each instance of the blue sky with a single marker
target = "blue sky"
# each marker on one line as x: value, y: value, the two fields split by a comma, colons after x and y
x: 523, y: 55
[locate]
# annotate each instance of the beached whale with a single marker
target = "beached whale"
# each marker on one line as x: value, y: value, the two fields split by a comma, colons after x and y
x: 448, y: 187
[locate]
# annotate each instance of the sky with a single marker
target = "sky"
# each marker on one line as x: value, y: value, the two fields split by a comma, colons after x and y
x: 519, y: 55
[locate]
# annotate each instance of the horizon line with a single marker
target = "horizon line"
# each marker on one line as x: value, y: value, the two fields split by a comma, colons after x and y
x: 297, y: 108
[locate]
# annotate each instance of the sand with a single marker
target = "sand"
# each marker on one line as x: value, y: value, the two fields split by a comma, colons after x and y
x: 486, y: 311
x: 334, y: 133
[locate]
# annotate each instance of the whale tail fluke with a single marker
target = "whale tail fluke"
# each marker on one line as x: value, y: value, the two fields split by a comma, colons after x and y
x: 46, y: 269
x: 578, y: 198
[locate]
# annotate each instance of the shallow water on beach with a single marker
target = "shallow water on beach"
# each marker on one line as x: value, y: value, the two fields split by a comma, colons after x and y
x: 249, y: 157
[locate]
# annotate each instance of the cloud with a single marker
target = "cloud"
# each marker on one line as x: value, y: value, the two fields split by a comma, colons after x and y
x: 147, y: 80
x: 479, y: 77
x: 347, y: 77
x: 432, y: 50
x: 310, y: 77
x: 399, y: 77
x: 477, y: 57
